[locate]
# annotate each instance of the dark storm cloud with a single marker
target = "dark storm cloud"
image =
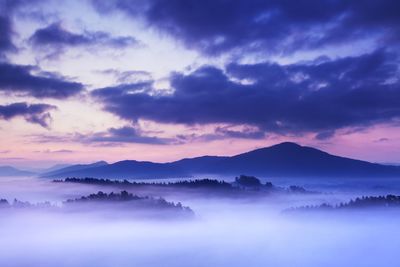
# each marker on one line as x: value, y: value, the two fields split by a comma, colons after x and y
x: 18, y: 79
x: 217, y: 26
x: 57, y: 37
x: 318, y: 96
x: 33, y: 113
x: 6, y: 44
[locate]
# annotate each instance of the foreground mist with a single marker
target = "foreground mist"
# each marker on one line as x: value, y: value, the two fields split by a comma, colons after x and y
x: 225, y: 231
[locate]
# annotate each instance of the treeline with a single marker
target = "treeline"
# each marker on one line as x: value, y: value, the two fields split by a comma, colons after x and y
x: 387, y: 201
x: 124, y: 196
x: 198, y: 183
x: 241, y: 184
x: 25, y: 204
x: 131, y: 201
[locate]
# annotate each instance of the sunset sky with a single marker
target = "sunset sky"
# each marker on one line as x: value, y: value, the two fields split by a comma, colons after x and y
x: 160, y: 80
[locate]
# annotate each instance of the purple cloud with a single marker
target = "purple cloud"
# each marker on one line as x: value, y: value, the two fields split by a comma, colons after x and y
x: 58, y: 38
x: 18, y: 79
x: 218, y: 26
x: 33, y: 113
x: 304, y: 97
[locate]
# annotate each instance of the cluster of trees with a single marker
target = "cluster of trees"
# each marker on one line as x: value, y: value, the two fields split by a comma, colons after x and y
x: 248, y: 181
x: 25, y: 204
x: 241, y: 184
x: 372, y: 201
x: 124, y: 196
x: 95, y: 181
x: 252, y: 182
x: 136, y: 201
x: 201, y: 183
x: 101, y: 196
x: 297, y: 189
x: 4, y: 202
x: 242, y: 180
x: 198, y: 183
x: 360, y: 202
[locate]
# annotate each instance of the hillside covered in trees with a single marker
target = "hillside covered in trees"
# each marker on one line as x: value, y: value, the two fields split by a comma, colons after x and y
x: 119, y: 203
x: 359, y: 203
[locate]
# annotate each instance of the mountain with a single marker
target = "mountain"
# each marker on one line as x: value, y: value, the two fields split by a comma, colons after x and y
x: 73, y: 168
x: 281, y: 160
x: 55, y: 168
x: 121, y: 169
x: 11, y: 171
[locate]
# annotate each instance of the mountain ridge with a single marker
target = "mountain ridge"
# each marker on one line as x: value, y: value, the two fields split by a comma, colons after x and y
x: 11, y: 171
x: 281, y: 160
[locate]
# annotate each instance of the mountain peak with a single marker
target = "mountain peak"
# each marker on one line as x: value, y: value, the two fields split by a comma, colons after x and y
x: 287, y: 145
x: 99, y: 163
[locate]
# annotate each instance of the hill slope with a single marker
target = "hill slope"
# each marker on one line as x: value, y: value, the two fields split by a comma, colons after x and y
x: 11, y: 171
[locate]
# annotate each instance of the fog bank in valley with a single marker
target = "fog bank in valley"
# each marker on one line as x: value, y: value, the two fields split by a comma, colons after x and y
x: 223, y: 232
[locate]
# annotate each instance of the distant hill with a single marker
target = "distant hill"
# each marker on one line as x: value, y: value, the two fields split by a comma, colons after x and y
x: 281, y: 160
x: 55, y: 168
x: 72, y: 168
x: 11, y: 171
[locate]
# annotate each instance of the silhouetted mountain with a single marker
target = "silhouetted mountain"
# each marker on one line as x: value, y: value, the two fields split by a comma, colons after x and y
x: 11, y: 171
x: 282, y: 160
x: 124, y: 169
x: 292, y: 160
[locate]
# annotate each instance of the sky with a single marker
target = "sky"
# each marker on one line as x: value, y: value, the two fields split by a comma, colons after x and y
x: 160, y: 80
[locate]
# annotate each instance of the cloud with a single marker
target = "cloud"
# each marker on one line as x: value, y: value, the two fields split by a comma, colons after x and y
x: 7, y: 9
x: 381, y: 140
x: 246, y: 133
x: 58, y: 38
x: 126, y: 134
x: 13, y: 158
x: 130, y: 76
x: 224, y: 132
x: 127, y: 88
x: 61, y: 151
x: 325, y: 135
x: 110, y: 137
x: 6, y: 44
x: 218, y: 26
x: 19, y: 79
x: 319, y: 96
x: 33, y: 113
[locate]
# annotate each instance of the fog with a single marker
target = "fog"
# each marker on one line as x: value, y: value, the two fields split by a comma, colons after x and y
x: 224, y: 231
